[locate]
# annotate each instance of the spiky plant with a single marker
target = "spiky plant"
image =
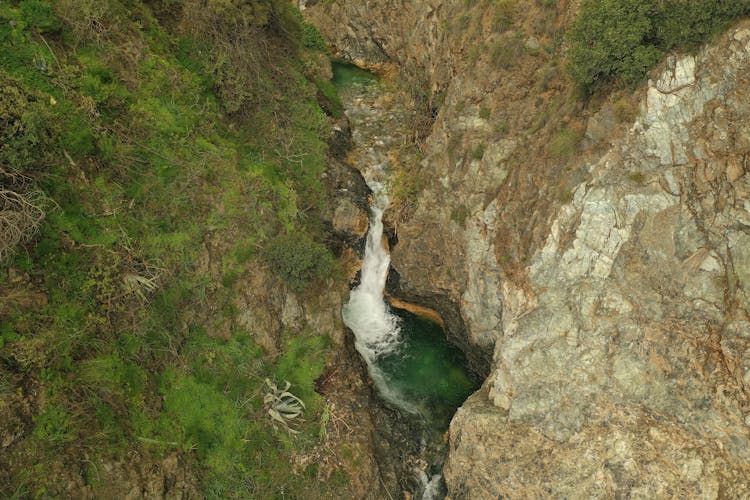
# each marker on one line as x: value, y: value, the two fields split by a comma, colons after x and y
x: 282, y: 406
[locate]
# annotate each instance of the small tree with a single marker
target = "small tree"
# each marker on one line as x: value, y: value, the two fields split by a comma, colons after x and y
x: 612, y: 39
x: 298, y: 260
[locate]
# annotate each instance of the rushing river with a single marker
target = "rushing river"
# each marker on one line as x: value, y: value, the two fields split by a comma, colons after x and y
x: 413, y: 365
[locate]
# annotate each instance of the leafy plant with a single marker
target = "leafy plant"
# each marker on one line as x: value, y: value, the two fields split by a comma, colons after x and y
x: 612, y: 39
x: 620, y: 40
x: 53, y: 425
x: 282, y: 406
x: 312, y: 38
x: 298, y: 260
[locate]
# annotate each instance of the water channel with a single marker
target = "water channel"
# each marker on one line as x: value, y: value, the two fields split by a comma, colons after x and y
x: 409, y: 358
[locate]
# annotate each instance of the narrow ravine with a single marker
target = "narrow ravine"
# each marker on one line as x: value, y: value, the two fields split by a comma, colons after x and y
x: 413, y: 366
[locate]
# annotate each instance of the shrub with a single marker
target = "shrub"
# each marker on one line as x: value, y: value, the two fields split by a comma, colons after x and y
x: 27, y: 126
x: 459, y: 215
x: 53, y: 424
x: 620, y: 40
x: 22, y: 210
x: 39, y: 15
x: 478, y: 152
x: 611, y: 39
x: 506, y: 53
x: 298, y: 260
x: 329, y: 99
x: 685, y: 24
x: 312, y: 39
x: 505, y: 14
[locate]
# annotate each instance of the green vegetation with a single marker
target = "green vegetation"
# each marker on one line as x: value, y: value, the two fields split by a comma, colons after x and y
x: 505, y: 14
x: 298, y: 260
x: 620, y: 40
x: 143, y: 136
x: 329, y: 98
x: 505, y: 53
x: 478, y: 152
x: 459, y: 215
x: 564, y: 143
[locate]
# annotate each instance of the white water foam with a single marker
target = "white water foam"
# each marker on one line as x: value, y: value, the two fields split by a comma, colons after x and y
x: 376, y: 329
x: 431, y: 489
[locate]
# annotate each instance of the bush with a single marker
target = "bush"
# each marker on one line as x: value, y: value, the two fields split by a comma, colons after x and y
x: 685, y: 24
x: 329, y: 99
x: 27, y: 126
x: 39, y: 15
x: 312, y: 39
x: 611, y: 39
x: 505, y: 14
x: 298, y: 260
x: 620, y: 40
x: 506, y: 53
x: 53, y: 425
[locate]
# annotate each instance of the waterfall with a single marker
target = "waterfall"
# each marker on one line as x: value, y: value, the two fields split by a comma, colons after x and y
x: 410, y: 364
x: 376, y: 329
x: 431, y: 486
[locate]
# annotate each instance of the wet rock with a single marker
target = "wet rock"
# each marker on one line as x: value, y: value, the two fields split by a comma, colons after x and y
x: 349, y: 218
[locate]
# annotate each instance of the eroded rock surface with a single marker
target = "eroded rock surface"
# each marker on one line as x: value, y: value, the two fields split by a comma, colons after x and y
x: 610, y: 283
x: 629, y: 375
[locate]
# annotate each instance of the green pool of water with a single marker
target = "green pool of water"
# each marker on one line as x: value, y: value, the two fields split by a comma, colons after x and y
x: 346, y: 75
x: 427, y: 370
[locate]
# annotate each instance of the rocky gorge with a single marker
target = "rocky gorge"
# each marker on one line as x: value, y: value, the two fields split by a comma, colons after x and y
x: 591, y: 258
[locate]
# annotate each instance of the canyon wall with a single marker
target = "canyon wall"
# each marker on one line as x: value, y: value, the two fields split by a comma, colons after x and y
x: 600, y: 252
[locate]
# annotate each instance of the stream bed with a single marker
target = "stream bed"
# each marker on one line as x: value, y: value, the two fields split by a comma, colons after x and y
x: 409, y: 358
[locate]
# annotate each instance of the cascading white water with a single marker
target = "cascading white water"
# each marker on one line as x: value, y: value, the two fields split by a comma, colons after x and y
x: 431, y: 486
x: 376, y: 330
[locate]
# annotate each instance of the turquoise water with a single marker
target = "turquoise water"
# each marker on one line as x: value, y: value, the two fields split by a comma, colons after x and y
x: 346, y: 75
x: 427, y: 370
x: 409, y: 357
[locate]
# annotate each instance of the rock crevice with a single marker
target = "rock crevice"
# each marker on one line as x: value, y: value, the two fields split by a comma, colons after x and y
x: 607, y: 287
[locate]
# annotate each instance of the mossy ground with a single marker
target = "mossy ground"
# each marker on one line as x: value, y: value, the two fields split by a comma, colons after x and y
x: 123, y: 116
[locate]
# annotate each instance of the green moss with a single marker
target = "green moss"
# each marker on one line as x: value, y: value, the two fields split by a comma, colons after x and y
x: 151, y: 145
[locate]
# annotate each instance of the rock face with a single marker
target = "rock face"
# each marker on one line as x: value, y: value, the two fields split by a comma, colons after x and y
x: 609, y: 283
x: 626, y: 368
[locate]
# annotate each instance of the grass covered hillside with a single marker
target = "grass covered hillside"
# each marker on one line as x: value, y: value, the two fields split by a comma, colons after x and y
x: 154, y: 154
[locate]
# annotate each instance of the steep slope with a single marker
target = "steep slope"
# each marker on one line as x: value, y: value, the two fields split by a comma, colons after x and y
x: 168, y: 242
x: 623, y: 364
x: 594, y: 250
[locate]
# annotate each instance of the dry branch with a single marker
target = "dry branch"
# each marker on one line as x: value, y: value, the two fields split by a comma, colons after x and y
x: 22, y: 210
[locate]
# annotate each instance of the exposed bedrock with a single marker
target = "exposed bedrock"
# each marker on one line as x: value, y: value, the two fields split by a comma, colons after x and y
x: 610, y: 287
